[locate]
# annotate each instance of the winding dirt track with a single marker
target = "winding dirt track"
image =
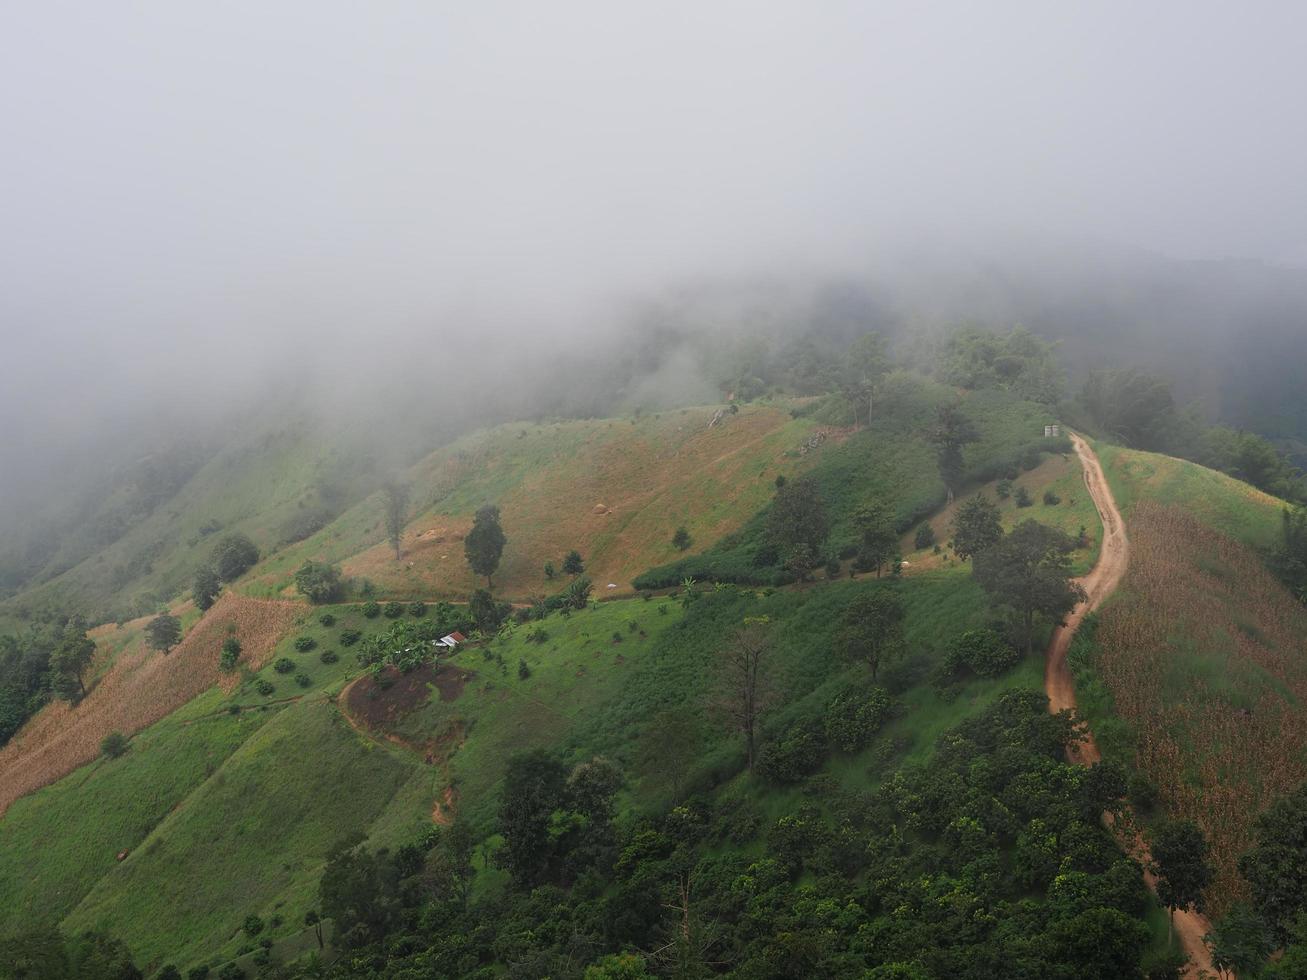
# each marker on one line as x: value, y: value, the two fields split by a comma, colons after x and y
x: 1100, y: 583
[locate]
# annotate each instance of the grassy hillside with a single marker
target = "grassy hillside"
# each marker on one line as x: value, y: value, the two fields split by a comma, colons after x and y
x: 1219, y: 501
x: 889, y: 460
x: 615, y: 489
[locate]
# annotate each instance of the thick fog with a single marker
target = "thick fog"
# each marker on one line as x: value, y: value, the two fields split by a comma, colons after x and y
x: 200, y: 200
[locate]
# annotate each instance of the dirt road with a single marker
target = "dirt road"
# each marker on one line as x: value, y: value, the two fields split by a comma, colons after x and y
x: 1100, y: 583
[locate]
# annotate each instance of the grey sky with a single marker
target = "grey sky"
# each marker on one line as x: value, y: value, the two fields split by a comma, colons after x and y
x: 196, y: 184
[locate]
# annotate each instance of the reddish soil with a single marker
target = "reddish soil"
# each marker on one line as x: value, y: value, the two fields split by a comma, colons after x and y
x: 378, y: 706
x: 1059, y: 684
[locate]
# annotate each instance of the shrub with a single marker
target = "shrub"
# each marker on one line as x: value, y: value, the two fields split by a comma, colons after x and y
x: 265, y: 687
x: 550, y: 571
x: 253, y: 925
x: 198, y: 973
x: 924, y: 538
x: 283, y: 665
x: 417, y: 609
x: 302, y: 679
x: 231, y: 652
x: 371, y: 609
x: 538, y: 635
x: 854, y: 716
x: 982, y: 652
x: 319, y: 582
x: 573, y: 564
x: 231, y: 971
x: 232, y: 556
x: 833, y: 568
x: 305, y: 643
x: 327, y: 620
x: 114, y: 744
x: 681, y: 539
x: 798, y: 752
x: 393, y: 610
x: 349, y: 637
x: 1022, y: 496
x: 1051, y: 499
x: 328, y: 656
x: 1003, y: 488
x: 523, y: 671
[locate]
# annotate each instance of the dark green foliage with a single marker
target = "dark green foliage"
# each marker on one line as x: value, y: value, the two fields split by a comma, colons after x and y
x: 577, y: 594
x: 1129, y: 406
x: 206, y: 586
x: 797, y: 525
x: 1051, y: 499
x: 328, y: 656
x: 1003, y: 488
x: 951, y: 433
x: 283, y: 665
x: 349, y: 637
x: 1018, y: 361
x: 523, y: 671
x: 977, y: 525
x: 265, y: 687
x: 305, y: 643
x: 796, y: 753
x: 485, y: 612
x: 879, y: 540
x: 48, y: 955
x: 550, y: 571
x: 573, y: 563
x: 371, y: 610
x: 533, y: 790
x: 231, y: 652
x: 1022, y: 497
x: 924, y: 538
x: 484, y: 543
x: 854, y: 716
x: 168, y: 972
x: 1029, y: 573
x: 198, y: 973
x: 360, y: 891
x: 1276, y: 867
x: 417, y: 609
x: 303, y: 680
x: 1241, y: 942
x: 1180, y: 863
x: 70, y: 659
x: 114, y: 744
x: 163, y: 632
x: 319, y: 582
x: 681, y: 539
x: 253, y: 925
x: 393, y: 610
x: 982, y: 653
x: 327, y: 620
x: 871, y: 628
x: 232, y: 556
x: 230, y: 971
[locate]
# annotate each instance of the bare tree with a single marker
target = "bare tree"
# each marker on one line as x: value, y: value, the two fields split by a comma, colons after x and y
x: 744, y: 691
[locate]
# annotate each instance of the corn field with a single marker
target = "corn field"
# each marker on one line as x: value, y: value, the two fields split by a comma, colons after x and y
x: 139, y: 688
x: 1205, y: 655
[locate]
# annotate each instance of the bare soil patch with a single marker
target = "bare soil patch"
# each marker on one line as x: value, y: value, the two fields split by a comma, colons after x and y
x: 378, y: 703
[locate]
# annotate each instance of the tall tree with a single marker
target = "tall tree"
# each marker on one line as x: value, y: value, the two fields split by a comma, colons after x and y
x: 950, y: 432
x: 1180, y: 863
x: 977, y: 525
x: 1276, y: 867
x: 233, y: 555
x: 484, y: 544
x: 871, y: 628
x: 573, y: 563
x: 865, y: 365
x: 670, y: 743
x: 1240, y: 942
x: 797, y: 525
x: 1029, y: 573
x: 69, y: 660
x: 534, y: 786
x: 875, y: 523
x: 394, y: 502
x: 206, y: 586
x: 163, y: 632
x: 744, y: 691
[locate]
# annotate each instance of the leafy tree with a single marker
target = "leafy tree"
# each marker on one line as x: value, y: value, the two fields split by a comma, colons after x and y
x: 206, y: 586
x: 1022, y: 497
x: 1129, y: 406
x: 532, y: 791
x: 1017, y: 361
x: 314, y: 921
x: 619, y: 966
x: 114, y: 744
x: 865, y: 365
x: 231, y: 652
x: 744, y: 691
x: 573, y: 564
x: 681, y: 539
x: 394, y: 505
x: 951, y: 432
x: 359, y: 891
x: 797, y: 525
x: 880, y: 540
x: 577, y: 593
x: 485, y: 612
x: 982, y: 652
x: 854, y: 716
x: 1240, y: 942
x: 1028, y: 572
x: 163, y: 632
x: 319, y: 582
x: 233, y: 555
x: 70, y: 659
x: 550, y: 571
x: 669, y: 745
x: 484, y: 544
x: 924, y: 538
x: 1276, y: 867
x: 871, y: 628
x: 976, y: 525
x: 1180, y: 863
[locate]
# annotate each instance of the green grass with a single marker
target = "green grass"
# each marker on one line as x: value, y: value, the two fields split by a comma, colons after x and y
x: 251, y: 839
x: 1222, y: 502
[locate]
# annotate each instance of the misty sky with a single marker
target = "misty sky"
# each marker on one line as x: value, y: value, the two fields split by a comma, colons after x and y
x: 187, y: 186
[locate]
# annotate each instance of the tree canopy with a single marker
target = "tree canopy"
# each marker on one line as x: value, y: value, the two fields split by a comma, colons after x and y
x: 1028, y: 572
x: 484, y: 544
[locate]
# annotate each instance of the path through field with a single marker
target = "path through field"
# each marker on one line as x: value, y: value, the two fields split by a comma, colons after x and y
x: 1100, y: 583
